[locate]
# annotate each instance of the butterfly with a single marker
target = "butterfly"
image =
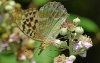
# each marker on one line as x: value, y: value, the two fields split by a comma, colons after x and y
x: 42, y: 25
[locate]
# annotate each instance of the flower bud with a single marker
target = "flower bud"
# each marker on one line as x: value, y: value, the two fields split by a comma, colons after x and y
x: 57, y: 42
x: 63, y: 44
x: 63, y: 31
x: 5, y: 35
x: 79, y: 30
x: 17, y: 5
x: 76, y: 20
x: 72, y: 57
x: 30, y: 44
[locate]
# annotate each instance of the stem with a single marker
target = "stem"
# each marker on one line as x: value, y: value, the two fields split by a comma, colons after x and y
x: 2, y: 11
x: 70, y: 45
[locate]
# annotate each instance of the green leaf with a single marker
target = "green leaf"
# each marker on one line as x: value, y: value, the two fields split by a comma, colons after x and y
x: 88, y: 24
x: 9, y: 58
x: 47, y: 55
x: 41, y: 2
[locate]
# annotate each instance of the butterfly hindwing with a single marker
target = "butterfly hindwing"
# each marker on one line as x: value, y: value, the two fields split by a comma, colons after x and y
x: 51, y: 16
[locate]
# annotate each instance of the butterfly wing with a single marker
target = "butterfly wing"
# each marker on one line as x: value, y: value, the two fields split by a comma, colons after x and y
x: 27, y: 22
x: 42, y: 26
x: 51, y: 16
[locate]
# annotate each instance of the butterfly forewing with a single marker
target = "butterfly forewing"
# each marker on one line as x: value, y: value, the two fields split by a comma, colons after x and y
x: 27, y: 21
x: 51, y: 16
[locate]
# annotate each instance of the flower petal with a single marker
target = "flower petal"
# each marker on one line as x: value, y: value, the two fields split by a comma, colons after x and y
x: 87, y: 45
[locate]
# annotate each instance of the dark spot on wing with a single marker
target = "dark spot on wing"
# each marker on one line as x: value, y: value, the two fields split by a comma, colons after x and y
x: 23, y: 27
x: 34, y: 27
x: 24, y: 22
x: 28, y: 31
x: 34, y: 12
x: 27, y: 20
x: 36, y: 21
x: 29, y: 25
x: 26, y: 15
x: 31, y: 18
x: 31, y: 33
x: 30, y: 13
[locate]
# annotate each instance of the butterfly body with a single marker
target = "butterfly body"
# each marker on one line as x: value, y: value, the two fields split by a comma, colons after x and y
x: 42, y: 25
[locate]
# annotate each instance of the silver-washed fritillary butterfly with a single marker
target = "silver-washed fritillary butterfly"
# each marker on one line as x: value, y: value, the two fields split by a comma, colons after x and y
x: 42, y: 25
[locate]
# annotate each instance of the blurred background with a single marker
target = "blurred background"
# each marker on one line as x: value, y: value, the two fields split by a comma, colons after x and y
x: 87, y: 10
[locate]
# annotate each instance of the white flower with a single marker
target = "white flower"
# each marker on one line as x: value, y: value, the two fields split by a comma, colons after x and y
x: 60, y: 59
x: 84, y: 39
x: 0, y: 2
x: 69, y: 60
x: 31, y: 40
x: 32, y: 61
x: 14, y: 37
x: 77, y: 46
x: 87, y: 45
x: 0, y: 50
x: 3, y: 24
x: 9, y: 7
x: 12, y: 3
x: 23, y: 57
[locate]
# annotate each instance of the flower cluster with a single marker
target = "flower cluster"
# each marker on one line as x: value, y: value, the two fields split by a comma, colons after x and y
x: 9, y: 5
x: 75, y: 42
x: 11, y: 38
x: 6, y: 24
x: 63, y: 59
